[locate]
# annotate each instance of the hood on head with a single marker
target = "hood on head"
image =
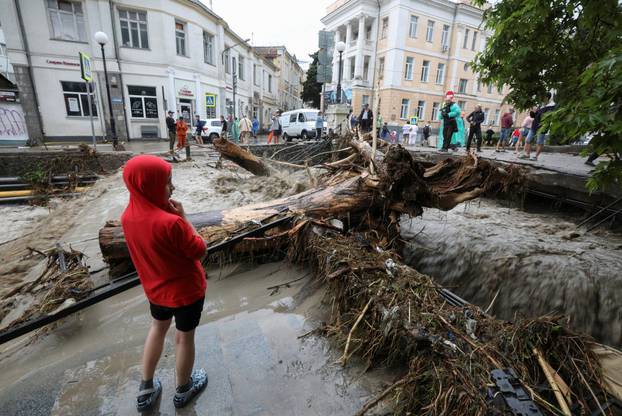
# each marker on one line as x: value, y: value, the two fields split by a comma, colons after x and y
x: 146, y: 177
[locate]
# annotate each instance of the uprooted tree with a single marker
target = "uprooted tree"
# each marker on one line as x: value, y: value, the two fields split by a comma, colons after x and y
x: 347, y: 229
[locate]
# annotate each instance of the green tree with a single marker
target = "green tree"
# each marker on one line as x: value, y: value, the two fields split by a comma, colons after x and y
x: 311, y: 89
x: 571, y: 47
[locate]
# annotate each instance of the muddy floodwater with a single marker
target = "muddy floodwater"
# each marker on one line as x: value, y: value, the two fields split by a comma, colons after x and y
x: 532, y: 263
x: 248, y: 342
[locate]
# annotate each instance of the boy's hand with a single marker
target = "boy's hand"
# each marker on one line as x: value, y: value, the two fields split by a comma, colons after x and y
x: 177, y: 208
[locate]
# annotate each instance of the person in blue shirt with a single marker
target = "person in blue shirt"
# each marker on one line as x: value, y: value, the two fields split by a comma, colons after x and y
x: 319, y: 126
x: 255, y: 127
x: 199, y: 124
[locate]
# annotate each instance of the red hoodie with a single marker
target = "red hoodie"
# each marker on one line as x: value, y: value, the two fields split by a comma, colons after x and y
x: 163, y: 246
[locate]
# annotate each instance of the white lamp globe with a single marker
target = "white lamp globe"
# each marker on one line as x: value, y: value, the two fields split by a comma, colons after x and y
x: 340, y: 46
x: 101, y: 38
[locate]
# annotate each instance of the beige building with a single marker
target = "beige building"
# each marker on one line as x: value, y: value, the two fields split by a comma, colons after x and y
x: 410, y: 53
x: 290, y: 75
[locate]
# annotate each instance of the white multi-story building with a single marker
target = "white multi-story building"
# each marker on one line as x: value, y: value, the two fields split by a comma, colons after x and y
x: 411, y: 52
x: 161, y: 55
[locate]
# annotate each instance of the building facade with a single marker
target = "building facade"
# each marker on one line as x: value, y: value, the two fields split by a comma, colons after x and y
x: 410, y: 52
x: 290, y: 76
x: 161, y: 55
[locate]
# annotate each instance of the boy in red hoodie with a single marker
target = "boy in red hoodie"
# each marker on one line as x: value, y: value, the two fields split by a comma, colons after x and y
x: 166, y: 251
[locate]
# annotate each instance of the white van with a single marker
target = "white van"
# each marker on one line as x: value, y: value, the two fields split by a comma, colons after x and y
x: 299, y: 123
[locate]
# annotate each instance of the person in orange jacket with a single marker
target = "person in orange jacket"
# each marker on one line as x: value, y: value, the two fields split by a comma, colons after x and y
x: 182, y: 131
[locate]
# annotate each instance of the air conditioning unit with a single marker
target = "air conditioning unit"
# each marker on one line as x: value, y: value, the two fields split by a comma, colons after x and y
x: 445, y: 48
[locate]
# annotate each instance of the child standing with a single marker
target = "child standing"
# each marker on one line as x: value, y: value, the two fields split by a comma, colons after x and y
x: 166, y: 251
x: 182, y: 131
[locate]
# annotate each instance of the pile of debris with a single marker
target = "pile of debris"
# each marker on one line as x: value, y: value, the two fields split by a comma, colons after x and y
x: 62, y: 280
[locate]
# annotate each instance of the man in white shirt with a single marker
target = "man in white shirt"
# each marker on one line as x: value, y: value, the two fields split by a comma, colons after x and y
x: 405, y: 133
x: 413, y: 133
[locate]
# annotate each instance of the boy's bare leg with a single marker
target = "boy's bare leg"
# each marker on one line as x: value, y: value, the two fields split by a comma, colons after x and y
x: 153, y: 347
x: 184, y: 356
x: 539, y: 148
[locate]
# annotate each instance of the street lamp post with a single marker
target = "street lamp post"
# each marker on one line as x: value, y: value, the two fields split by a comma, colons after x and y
x: 340, y: 46
x: 234, y: 74
x: 102, y: 39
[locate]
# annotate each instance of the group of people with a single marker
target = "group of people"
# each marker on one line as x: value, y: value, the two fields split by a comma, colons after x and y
x: 452, y: 129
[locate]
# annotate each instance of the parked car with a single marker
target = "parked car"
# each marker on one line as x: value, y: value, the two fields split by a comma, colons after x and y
x: 299, y: 123
x: 212, y: 129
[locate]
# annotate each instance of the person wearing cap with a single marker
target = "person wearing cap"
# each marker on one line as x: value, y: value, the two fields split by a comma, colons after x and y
x: 172, y: 131
x: 450, y: 128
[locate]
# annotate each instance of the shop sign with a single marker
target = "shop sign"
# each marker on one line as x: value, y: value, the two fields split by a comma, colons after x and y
x: 184, y: 89
x: 66, y: 63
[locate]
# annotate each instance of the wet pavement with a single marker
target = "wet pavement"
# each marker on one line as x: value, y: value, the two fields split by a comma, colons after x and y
x: 247, y: 342
x: 559, y: 162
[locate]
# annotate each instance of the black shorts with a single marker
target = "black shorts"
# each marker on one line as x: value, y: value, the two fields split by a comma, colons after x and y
x: 186, y: 317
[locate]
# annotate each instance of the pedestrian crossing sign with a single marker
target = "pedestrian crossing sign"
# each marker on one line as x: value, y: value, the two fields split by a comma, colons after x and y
x: 210, y: 100
x: 86, y: 71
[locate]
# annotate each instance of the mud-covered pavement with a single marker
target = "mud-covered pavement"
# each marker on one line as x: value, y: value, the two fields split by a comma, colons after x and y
x: 530, y: 263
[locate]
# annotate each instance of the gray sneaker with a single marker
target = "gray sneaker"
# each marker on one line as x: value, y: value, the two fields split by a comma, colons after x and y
x: 199, y: 381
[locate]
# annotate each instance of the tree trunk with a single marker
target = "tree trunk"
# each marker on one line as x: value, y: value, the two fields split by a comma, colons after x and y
x: 401, y: 186
x: 241, y: 157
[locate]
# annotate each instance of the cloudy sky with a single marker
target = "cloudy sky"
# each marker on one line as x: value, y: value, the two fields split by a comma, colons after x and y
x: 293, y: 23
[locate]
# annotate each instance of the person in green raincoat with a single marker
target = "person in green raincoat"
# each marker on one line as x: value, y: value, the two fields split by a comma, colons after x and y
x: 452, y: 124
x: 235, y: 130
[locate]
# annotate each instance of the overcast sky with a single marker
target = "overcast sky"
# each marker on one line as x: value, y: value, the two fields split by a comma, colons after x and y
x: 293, y: 23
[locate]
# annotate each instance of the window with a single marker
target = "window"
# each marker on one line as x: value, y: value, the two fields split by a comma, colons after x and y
x: 255, y: 75
x: 133, y: 29
x: 466, y: 38
x: 440, y: 74
x: 210, y: 112
x: 180, y: 38
x: 497, y: 113
x: 365, y: 99
x: 489, y: 88
x: 269, y: 83
x: 445, y: 37
x: 352, y: 67
x: 208, y: 48
x: 404, y: 110
x: 479, y: 85
x: 67, y: 20
x: 76, y: 100
x: 227, y: 63
x: 435, y: 110
x: 2, y: 49
x: 474, y: 41
x: 292, y: 118
x: 241, y: 68
x: 486, y: 115
x: 430, y: 31
x: 462, y: 105
x: 412, y: 32
x: 425, y: 70
x: 420, y: 110
x: 385, y: 28
x: 381, y: 68
x: 143, y: 102
x: 500, y: 89
x: 462, y: 87
x: 408, y: 71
